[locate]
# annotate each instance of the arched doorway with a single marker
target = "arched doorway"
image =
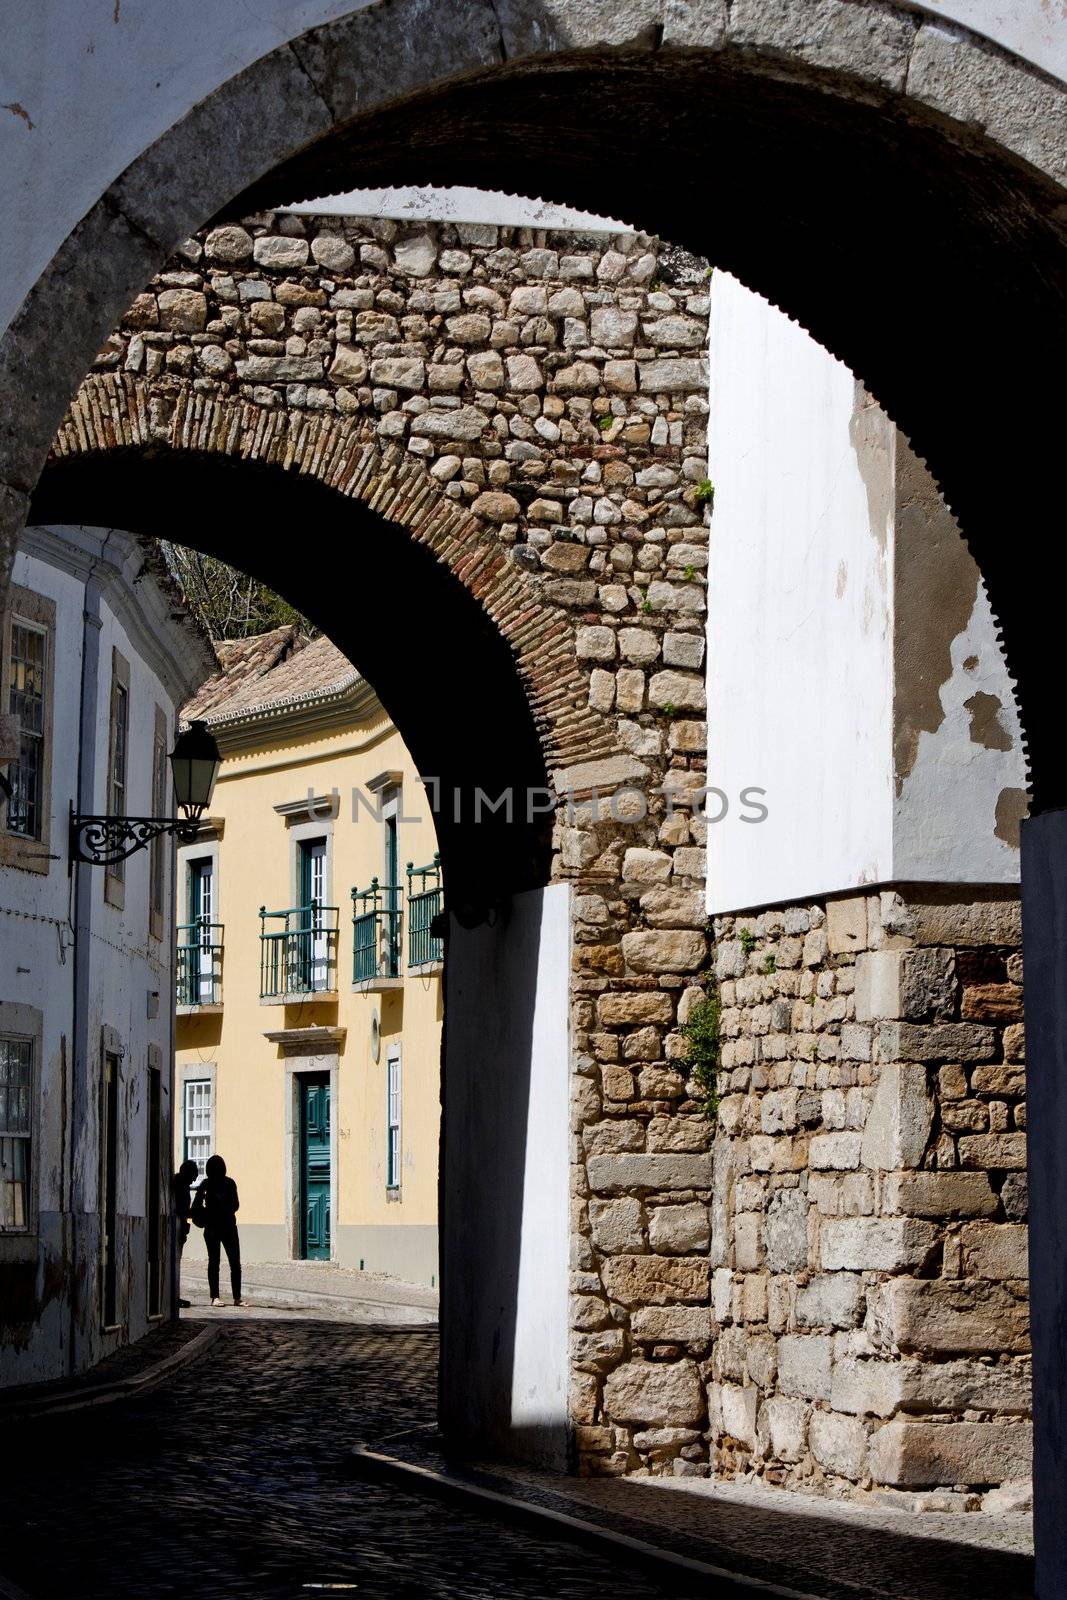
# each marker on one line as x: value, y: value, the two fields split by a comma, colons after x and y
x: 964, y: 212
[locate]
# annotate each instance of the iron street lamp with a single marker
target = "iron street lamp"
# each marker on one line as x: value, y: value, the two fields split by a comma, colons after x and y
x: 195, y: 761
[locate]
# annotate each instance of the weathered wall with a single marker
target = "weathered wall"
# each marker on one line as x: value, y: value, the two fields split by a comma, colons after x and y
x: 521, y: 374
x: 65, y: 136
x: 868, y: 1223
x: 85, y: 966
x: 854, y: 667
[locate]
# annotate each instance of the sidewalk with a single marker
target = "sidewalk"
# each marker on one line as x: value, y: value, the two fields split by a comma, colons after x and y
x: 332, y: 1292
x: 133, y: 1370
x: 743, y: 1538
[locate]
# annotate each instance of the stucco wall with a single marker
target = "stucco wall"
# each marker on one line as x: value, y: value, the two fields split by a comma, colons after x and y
x: 506, y: 1179
x: 255, y: 1125
x: 87, y: 966
x: 855, y: 673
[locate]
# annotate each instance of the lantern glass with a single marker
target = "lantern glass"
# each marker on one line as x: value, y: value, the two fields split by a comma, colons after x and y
x: 195, y: 762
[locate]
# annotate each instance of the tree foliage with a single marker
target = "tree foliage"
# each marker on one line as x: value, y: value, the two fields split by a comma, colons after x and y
x: 228, y: 603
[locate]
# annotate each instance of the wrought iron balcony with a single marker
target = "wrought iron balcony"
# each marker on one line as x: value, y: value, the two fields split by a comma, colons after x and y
x: 425, y: 902
x: 297, y: 952
x: 198, y: 970
x: 376, y: 919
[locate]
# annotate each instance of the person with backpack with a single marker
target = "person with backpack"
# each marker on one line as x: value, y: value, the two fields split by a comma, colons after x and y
x: 215, y: 1210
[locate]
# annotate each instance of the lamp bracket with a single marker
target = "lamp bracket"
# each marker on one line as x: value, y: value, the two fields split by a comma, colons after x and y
x: 105, y: 841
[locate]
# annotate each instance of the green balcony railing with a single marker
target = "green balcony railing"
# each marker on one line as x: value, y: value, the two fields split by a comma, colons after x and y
x: 297, y: 951
x: 376, y: 918
x: 198, y: 970
x: 425, y: 902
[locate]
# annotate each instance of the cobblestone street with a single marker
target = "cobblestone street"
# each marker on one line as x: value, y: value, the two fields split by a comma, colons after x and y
x: 230, y: 1480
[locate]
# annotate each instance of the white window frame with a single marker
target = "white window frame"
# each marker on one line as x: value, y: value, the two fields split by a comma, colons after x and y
x: 25, y: 1137
x: 36, y: 612
x: 394, y: 1113
x: 198, y: 1081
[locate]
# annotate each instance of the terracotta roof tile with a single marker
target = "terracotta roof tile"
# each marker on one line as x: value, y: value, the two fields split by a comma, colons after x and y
x: 255, y: 682
x: 243, y: 661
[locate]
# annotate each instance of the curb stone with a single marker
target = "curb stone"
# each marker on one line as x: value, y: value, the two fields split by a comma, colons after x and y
x: 105, y: 1393
x: 450, y: 1486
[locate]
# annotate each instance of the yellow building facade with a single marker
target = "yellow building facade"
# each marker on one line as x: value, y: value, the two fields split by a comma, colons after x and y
x: 309, y: 992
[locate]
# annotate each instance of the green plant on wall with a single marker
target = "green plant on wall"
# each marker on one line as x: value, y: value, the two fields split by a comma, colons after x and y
x: 701, y: 1033
x: 704, y: 493
x: 748, y: 940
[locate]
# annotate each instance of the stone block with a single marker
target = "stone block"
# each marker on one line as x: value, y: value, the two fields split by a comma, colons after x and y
x: 646, y: 866
x: 739, y: 1413
x: 899, y: 1121
x: 953, y: 1316
x: 227, y: 246
x: 830, y: 1300
x: 991, y: 1150
x: 618, y: 1174
x: 846, y: 925
x: 867, y: 1388
x: 349, y: 365
x: 878, y: 985
x: 992, y: 1002
x: 676, y: 951
x: 184, y: 311
x: 786, y: 1233
x: 329, y: 250
x: 671, y: 1324
x: 838, y: 1152
x: 622, y: 1010
x: 598, y: 1351
x: 838, y: 1443
x: 939, y: 1194
x: 617, y: 1226
x: 280, y: 253
x: 399, y: 372
x: 683, y: 650
x: 966, y: 923
x: 748, y: 1234
x: 980, y: 1385
x: 786, y: 1422
x: 684, y: 691
x: 995, y: 1250
x: 874, y: 1244
x: 655, y: 1393
x: 674, y: 375
x: 805, y: 1364
x: 674, y: 1230
x: 927, y: 984
x: 935, y: 1041
x: 921, y: 1455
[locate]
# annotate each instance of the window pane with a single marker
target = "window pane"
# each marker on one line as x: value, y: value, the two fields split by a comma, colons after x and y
x: 16, y: 1087
x: 26, y: 700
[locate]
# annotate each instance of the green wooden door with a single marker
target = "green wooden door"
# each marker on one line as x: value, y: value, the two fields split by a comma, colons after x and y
x: 315, y: 1168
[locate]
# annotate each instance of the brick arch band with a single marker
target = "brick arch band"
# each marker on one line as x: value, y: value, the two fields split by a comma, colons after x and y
x: 487, y: 689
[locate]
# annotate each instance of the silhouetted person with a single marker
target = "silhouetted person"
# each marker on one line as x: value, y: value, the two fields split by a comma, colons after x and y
x: 181, y: 1191
x: 215, y: 1210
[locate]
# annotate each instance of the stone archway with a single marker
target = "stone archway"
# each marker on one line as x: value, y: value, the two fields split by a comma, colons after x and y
x: 170, y: 465
x: 939, y: 161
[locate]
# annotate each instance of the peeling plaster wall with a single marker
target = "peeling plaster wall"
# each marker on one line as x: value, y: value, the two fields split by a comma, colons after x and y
x: 959, y: 770
x: 854, y: 667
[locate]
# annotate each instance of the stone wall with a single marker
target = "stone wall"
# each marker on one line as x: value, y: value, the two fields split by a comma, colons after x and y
x: 868, y: 1222
x: 835, y: 1297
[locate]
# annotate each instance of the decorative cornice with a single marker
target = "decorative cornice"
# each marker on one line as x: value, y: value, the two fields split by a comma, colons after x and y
x: 316, y: 808
x: 313, y: 1041
x: 296, y: 716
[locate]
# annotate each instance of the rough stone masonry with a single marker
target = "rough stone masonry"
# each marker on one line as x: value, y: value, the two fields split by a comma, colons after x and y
x: 825, y: 1287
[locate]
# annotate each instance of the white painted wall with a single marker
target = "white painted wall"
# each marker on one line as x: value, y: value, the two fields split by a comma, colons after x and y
x: 799, y: 617
x: 821, y: 638
x: 505, y: 1167
x: 87, y: 85
x: 127, y: 974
